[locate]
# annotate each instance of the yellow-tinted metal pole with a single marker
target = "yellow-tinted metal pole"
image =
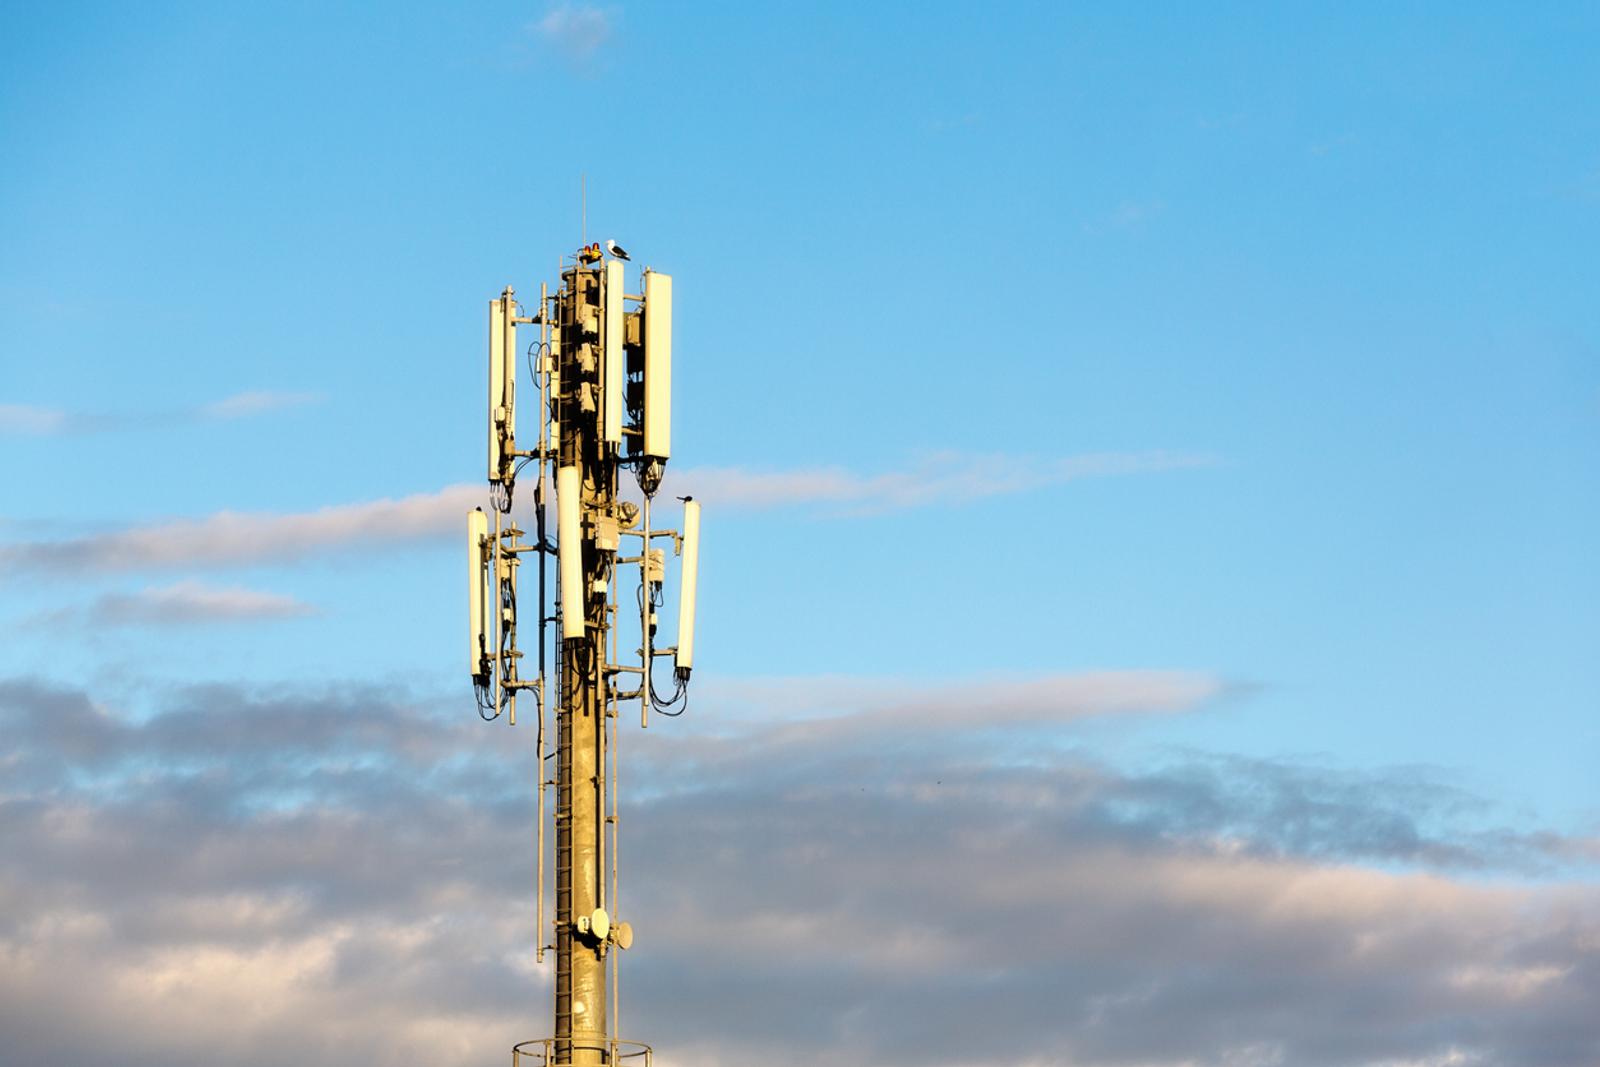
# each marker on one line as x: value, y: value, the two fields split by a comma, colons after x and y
x: 586, y: 486
x: 603, y: 377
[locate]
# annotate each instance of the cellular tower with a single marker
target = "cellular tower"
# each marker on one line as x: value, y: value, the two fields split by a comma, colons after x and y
x: 602, y: 364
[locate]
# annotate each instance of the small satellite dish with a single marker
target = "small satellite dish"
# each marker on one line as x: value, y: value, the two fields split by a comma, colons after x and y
x: 599, y: 924
x: 623, y: 935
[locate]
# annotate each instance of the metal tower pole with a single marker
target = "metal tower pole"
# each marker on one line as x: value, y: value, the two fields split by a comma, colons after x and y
x: 580, y: 985
x: 604, y: 377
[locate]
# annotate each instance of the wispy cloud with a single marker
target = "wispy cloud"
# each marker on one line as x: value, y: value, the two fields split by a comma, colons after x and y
x: 941, y: 478
x: 189, y: 602
x: 782, y: 711
x: 185, y: 603
x: 27, y: 419
x: 24, y: 419
x: 231, y: 538
x: 896, y: 889
x: 576, y: 29
x: 947, y: 123
x: 1128, y: 215
x: 257, y: 401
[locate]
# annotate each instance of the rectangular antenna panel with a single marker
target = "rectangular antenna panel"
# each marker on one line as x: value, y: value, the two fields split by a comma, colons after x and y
x: 497, y: 388
x: 611, y: 356
x: 548, y: 424
x: 508, y: 375
x: 569, y: 550
x: 477, y: 533
x: 689, y: 579
x: 657, y: 365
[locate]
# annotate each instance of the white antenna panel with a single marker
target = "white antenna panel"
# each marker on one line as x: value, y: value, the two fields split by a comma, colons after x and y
x: 611, y: 356
x: 477, y: 631
x: 508, y: 375
x: 690, y: 578
x: 657, y: 365
x: 497, y: 384
x: 569, y: 551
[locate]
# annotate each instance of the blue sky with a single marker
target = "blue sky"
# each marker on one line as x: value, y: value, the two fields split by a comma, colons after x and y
x: 1257, y: 348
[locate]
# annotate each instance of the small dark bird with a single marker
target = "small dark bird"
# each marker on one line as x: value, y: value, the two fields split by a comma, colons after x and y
x: 615, y: 249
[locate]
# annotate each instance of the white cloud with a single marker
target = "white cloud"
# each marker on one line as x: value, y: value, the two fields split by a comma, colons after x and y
x: 826, y: 708
x: 950, y: 477
x: 576, y: 28
x: 231, y: 538
x: 311, y: 879
x: 1128, y: 215
x: 24, y: 419
x: 257, y: 401
x: 191, y: 602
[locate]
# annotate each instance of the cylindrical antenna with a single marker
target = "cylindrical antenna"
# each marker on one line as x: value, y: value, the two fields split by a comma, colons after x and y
x: 690, y: 576
x: 569, y: 551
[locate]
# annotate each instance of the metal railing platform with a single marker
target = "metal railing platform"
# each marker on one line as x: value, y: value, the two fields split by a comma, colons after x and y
x: 609, y: 1052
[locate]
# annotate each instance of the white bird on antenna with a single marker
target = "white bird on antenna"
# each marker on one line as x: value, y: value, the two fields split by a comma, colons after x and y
x: 615, y: 249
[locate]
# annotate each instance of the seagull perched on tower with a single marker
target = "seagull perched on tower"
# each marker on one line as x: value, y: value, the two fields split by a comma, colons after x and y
x: 615, y: 249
